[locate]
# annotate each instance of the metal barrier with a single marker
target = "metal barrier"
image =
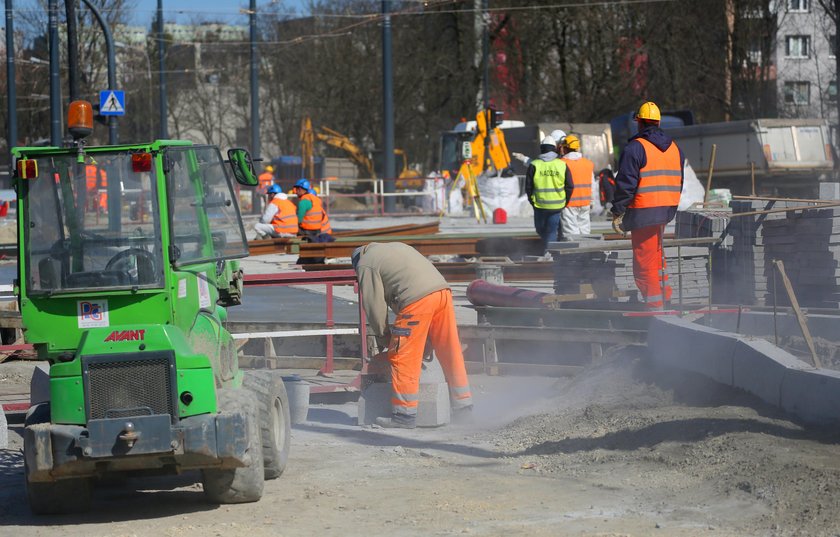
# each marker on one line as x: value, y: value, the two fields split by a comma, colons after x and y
x: 377, y: 196
x: 329, y: 278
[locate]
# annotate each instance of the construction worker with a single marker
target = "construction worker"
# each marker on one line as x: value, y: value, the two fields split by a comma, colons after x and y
x: 96, y: 181
x: 548, y: 185
x: 575, y: 216
x: 311, y: 215
x: 647, y: 193
x: 396, y: 275
x: 606, y: 187
x: 266, y: 179
x: 280, y: 217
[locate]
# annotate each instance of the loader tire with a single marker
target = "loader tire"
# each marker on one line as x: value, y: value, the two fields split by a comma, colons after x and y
x: 275, y: 419
x: 62, y: 497
x: 238, y: 485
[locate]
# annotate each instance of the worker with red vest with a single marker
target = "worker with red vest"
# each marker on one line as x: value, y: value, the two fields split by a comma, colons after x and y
x: 647, y: 193
x: 311, y: 214
x: 280, y: 217
x: 575, y: 217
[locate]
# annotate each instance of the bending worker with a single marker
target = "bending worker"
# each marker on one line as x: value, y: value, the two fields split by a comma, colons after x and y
x: 311, y: 214
x: 647, y: 193
x: 396, y: 275
x: 280, y: 216
x: 576, y: 214
x: 548, y: 185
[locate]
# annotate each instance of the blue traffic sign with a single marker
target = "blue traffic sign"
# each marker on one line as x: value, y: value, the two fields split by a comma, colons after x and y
x: 112, y: 103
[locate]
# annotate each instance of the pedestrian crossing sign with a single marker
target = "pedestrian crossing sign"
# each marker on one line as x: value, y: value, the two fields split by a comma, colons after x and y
x: 112, y: 103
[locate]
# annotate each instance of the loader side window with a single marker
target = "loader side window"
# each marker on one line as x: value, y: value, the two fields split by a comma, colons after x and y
x: 204, y: 216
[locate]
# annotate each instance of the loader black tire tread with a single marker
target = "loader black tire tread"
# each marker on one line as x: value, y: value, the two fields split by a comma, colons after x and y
x: 61, y: 497
x: 238, y: 485
x: 275, y: 418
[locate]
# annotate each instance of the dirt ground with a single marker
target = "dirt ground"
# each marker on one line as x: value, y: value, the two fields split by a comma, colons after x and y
x: 621, y: 450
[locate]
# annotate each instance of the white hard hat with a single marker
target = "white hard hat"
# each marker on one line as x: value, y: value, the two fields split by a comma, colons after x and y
x: 281, y: 195
x: 548, y: 140
x: 558, y: 135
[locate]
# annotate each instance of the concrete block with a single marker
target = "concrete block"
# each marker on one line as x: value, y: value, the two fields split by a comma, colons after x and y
x: 759, y: 367
x: 374, y: 401
x: 813, y: 396
x: 830, y: 191
x: 692, y: 347
x: 433, y: 409
x: 39, y: 385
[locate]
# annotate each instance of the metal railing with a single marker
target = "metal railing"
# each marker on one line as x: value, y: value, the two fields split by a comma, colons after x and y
x: 377, y: 194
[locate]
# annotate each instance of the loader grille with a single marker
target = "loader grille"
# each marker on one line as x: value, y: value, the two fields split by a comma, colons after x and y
x: 119, y: 386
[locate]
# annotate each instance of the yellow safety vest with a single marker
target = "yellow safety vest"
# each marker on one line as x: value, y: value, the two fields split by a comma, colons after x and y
x: 549, y: 184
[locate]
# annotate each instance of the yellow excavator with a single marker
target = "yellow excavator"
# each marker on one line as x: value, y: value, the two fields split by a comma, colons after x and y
x: 407, y: 178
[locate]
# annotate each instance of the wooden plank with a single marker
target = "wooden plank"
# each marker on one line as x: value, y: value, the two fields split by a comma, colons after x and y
x: 800, y: 318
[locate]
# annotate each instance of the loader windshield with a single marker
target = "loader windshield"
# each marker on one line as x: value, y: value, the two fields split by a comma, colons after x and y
x: 92, y: 224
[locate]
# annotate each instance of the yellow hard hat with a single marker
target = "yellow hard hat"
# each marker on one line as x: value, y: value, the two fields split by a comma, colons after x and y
x: 649, y: 111
x: 572, y: 142
x: 269, y: 168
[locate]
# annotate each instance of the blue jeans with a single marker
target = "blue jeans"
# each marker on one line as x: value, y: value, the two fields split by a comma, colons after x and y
x: 547, y: 224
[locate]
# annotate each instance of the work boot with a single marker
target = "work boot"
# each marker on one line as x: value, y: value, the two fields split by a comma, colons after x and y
x: 397, y: 421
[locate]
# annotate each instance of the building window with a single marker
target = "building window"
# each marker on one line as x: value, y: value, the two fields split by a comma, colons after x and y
x: 798, y: 93
x: 802, y: 6
x: 797, y: 46
x: 832, y: 91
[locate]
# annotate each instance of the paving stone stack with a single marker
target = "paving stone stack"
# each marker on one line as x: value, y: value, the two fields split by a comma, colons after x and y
x: 808, y: 242
x: 749, y: 268
x: 711, y: 222
x: 613, y: 270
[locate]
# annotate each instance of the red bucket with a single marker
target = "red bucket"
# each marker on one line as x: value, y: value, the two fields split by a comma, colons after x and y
x: 500, y: 216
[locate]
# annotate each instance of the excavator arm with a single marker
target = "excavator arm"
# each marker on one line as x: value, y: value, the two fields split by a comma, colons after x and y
x: 336, y: 139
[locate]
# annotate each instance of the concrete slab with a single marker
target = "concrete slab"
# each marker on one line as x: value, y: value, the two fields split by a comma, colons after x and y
x: 759, y: 367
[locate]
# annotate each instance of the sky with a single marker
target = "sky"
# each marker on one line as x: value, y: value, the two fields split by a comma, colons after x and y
x: 216, y: 10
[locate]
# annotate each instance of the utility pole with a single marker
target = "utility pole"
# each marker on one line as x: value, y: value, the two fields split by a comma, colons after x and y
x: 485, y: 54
x: 255, y: 88
x: 72, y: 49
x: 55, y: 80
x: 113, y: 129
x: 164, y: 117
x: 11, y: 90
x: 389, y: 172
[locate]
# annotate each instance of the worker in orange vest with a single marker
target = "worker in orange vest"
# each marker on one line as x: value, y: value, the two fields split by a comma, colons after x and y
x: 280, y: 216
x: 96, y: 179
x: 266, y: 179
x: 647, y: 193
x: 576, y: 215
x: 311, y: 213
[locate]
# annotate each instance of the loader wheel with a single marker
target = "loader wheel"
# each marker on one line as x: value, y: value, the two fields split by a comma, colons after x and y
x: 275, y: 421
x: 238, y: 485
x: 60, y: 497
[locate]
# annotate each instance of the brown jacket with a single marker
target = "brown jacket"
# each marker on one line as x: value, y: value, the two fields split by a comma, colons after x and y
x: 396, y: 275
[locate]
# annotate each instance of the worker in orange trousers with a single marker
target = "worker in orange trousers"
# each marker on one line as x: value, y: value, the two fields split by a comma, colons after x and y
x: 647, y: 194
x: 396, y: 275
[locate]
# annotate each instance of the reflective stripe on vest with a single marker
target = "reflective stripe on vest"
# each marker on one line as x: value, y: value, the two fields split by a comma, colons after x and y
x: 581, y: 171
x: 314, y: 216
x: 325, y: 224
x: 285, y: 220
x: 549, y: 184
x: 660, y: 180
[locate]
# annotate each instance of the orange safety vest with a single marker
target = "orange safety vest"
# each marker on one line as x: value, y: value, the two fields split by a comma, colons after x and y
x: 95, y: 179
x: 325, y: 224
x: 266, y: 179
x: 285, y: 220
x: 581, y: 170
x: 660, y: 180
x: 605, y: 179
x: 314, y: 217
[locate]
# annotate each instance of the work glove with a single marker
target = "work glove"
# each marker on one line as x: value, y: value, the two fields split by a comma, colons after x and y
x: 616, y: 223
x: 520, y: 157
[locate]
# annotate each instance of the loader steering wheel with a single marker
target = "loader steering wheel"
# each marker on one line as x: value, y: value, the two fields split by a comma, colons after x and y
x: 142, y: 272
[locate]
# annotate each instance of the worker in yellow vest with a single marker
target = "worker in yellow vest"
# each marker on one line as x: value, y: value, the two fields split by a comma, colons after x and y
x: 575, y: 217
x: 311, y: 213
x: 548, y: 186
x: 280, y: 217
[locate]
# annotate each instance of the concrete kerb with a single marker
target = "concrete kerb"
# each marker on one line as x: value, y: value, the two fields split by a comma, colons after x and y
x: 753, y: 365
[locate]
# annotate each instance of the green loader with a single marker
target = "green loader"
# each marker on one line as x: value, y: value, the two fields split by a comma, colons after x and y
x: 128, y: 257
